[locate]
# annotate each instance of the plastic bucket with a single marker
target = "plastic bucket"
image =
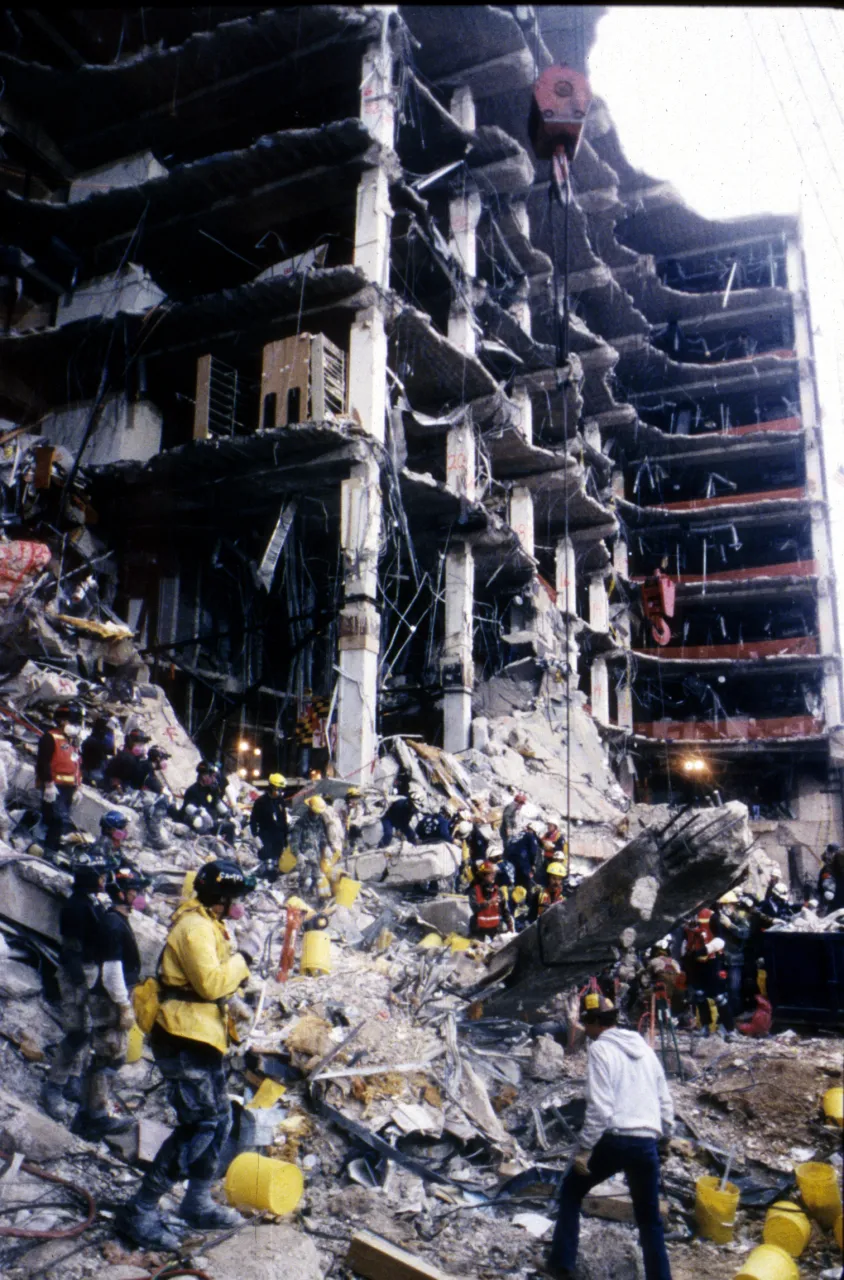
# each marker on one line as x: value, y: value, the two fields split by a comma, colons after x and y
x: 769, y: 1262
x: 134, y: 1044
x: 287, y: 861
x: 266, y: 1095
x: 715, y: 1210
x: 818, y: 1187
x: 430, y: 941
x: 346, y: 891
x: 833, y: 1106
x: 787, y: 1226
x: 316, y: 952
x: 187, y: 884
x: 261, y: 1183
x: 458, y: 943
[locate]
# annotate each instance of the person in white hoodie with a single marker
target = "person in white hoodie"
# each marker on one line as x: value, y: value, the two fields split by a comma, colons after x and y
x: 629, y: 1119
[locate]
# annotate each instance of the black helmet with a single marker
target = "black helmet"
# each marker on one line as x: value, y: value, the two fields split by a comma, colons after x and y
x: 68, y: 711
x: 114, y: 820
x: 87, y: 870
x: 135, y: 736
x: 124, y: 879
x: 219, y: 880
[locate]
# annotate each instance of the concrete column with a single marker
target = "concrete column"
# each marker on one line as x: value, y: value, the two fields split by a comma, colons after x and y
x: 519, y: 309
x: 599, y: 605
x: 620, y: 558
x: 600, y: 690
x: 617, y: 483
x: 457, y: 668
x: 592, y: 435
x: 524, y: 404
x: 457, y: 665
x: 624, y: 698
x: 565, y: 581
x: 521, y: 516
x: 460, y: 460
x: 360, y: 521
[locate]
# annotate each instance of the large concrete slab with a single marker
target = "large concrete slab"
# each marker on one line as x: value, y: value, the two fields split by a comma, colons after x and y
x: 415, y: 864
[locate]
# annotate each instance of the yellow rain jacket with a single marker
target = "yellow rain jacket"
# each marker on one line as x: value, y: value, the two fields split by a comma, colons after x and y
x: 199, y: 956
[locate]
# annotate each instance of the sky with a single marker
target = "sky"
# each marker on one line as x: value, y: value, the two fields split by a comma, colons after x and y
x: 742, y: 110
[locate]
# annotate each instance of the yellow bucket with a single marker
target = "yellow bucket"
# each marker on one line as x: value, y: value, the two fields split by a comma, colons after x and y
x: 287, y: 861
x: 316, y: 952
x: 458, y: 943
x: 346, y: 892
x: 839, y: 1231
x: 266, y: 1095
x: 768, y: 1262
x: 833, y: 1106
x: 787, y: 1226
x: 818, y: 1187
x: 135, y: 1044
x: 258, y: 1182
x: 430, y: 941
x: 187, y: 884
x: 715, y: 1210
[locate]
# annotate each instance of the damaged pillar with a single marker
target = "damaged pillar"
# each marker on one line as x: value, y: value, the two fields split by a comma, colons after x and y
x: 599, y: 605
x: 624, y: 700
x: 524, y: 405
x: 457, y: 666
x: 521, y: 516
x: 520, y: 306
x: 361, y: 504
x: 600, y: 690
x: 565, y: 580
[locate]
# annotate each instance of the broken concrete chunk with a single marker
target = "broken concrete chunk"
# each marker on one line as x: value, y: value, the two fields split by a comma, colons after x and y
x: 446, y: 915
x: 17, y: 981
x: 265, y: 1252
x: 547, y: 1060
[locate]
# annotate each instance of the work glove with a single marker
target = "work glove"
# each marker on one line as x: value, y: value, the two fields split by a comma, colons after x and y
x: 197, y: 824
x: 222, y: 809
x: 581, y: 1163
x: 51, y: 793
x: 125, y: 1017
x: 239, y: 1010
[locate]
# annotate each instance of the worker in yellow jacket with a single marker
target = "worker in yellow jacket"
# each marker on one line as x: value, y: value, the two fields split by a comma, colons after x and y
x: 199, y: 975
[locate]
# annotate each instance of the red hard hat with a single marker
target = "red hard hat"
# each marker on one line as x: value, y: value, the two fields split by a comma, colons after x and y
x: 520, y: 797
x: 704, y: 915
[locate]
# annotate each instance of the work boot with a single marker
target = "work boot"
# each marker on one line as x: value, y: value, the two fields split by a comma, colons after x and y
x: 73, y: 1089
x: 140, y: 1221
x: 201, y: 1211
x: 93, y: 1125
x: 53, y: 1102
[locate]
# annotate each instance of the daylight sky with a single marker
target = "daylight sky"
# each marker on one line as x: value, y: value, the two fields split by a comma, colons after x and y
x: 742, y: 110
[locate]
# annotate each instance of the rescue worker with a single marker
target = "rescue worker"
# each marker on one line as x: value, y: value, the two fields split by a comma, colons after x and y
x: 511, y: 819
x: 80, y: 919
x: 522, y: 854
x: 731, y: 922
x: 435, y: 826
x: 124, y: 770
x: 114, y: 828
x: 199, y: 975
x: 311, y: 843
x: 830, y: 891
x: 112, y: 1016
x: 58, y: 772
x: 775, y: 904
x: 629, y: 1121
x: 398, y: 817
x: 269, y: 823
x: 553, y: 891
x: 204, y: 807
x: 707, y: 977
x: 488, y: 904
x: 552, y: 849
x: 97, y: 750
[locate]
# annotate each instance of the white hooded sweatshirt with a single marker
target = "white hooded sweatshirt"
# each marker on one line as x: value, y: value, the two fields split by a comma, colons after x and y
x: 626, y: 1090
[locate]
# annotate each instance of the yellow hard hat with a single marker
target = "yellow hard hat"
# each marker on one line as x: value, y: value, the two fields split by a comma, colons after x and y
x: 519, y: 894
x: 555, y: 869
x: 316, y: 804
x: 277, y: 780
x: 352, y: 793
x: 729, y: 898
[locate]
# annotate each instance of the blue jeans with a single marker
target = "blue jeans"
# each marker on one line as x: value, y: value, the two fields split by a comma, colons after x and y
x: 638, y: 1160
x: 56, y: 816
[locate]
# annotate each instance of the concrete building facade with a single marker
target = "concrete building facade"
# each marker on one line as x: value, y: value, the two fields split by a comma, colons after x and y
x: 420, y: 421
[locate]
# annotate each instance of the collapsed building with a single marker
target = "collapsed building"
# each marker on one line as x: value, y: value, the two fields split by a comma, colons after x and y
x: 337, y: 435
x: 370, y: 419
